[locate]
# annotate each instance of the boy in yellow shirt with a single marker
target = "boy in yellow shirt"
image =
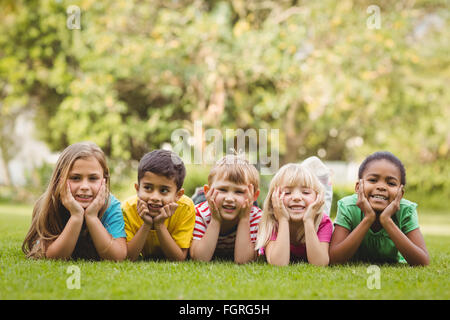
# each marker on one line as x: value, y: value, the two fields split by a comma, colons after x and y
x: 160, y: 219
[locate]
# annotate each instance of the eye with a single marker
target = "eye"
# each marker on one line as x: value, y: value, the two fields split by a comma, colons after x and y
x: 94, y: 178
x: 164, y: 190
x: 148, y: 187
x: 393, y: 184
x: 222, y: 190
x: 372, y: 180
x: 74, y: 178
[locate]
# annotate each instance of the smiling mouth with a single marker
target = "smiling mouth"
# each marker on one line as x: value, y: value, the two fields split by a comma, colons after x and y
x: 229, y: 208
x: 155, y: 207
x: 83, y: 197
x: 297, y: 208
x: 379, y: 197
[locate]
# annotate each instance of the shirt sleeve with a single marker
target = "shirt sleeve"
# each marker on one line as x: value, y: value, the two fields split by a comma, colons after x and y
x: 200, y: 224
x: 409, y: 220
x: 325, y: 229
x: 112, y: 219
x: 343, y: 216
x: 185, y: 226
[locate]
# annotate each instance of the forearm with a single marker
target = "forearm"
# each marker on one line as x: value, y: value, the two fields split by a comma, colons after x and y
x: 107, y: 247
x: 204, y: 248
x: 136, y: 244
x: 244, y: 248
x: 343, y: 251
x: 63, y: 246
x: 169, y: 247
x: 413, y: 254
x: 316, y: 252
x: 278, y: 252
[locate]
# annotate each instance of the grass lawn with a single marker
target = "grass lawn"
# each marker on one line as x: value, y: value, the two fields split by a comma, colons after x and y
x: 24, y: 279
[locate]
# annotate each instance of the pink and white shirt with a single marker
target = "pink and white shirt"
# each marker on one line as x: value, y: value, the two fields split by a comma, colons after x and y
x: 225, y: 243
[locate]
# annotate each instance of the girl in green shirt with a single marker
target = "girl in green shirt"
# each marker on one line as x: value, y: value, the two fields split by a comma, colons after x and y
x: 376, y: 224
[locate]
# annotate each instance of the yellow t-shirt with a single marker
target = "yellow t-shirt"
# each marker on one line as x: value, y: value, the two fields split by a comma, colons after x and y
x: 180, y: 225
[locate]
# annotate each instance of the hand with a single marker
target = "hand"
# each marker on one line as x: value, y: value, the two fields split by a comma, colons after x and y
x: 364, y: 204
x: 393, y: 207
x: 166, y: 212
x: 279, y: 210
x: 248, y: 202
x: 211, y: 198
x: 96, y: 205
x: 144, y: 213
x: 70, y: 203
x: 314, y: 209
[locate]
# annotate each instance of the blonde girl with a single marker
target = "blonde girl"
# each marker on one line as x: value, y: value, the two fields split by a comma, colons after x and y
x: 77, y: 217
x: 293, y: 223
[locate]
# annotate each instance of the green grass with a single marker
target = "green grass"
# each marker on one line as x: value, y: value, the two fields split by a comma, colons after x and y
x: 27, y: 279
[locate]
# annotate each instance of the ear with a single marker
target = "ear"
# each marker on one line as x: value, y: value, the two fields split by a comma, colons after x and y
x: 206, y: 188
x: 357, y: 186
x: 179, y: 194
x: 256, y: 195
x: 136, y: 186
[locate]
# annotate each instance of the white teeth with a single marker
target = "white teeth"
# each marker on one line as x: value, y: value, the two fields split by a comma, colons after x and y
x: 379, y: 197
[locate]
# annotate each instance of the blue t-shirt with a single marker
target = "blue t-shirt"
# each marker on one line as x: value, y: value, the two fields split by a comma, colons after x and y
x: 112, y: 219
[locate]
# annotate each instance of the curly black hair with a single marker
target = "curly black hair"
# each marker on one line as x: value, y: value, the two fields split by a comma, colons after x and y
x: 384, y: 155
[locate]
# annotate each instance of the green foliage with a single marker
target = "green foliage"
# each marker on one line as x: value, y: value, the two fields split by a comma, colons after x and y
x: 138, y: 70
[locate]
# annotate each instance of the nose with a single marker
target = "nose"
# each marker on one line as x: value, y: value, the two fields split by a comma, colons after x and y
x: 154, y: 198
x: 228, y: 197
x: 296, y: 195
x: 381, y: 186
x: 84, y: 184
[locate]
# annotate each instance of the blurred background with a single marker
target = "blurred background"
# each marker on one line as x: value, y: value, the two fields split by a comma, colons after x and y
x: 339, y: 80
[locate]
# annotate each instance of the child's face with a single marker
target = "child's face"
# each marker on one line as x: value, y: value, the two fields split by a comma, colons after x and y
x: 297, y: 199
x: 230, y: 198
x: 157, y: 190
x: 381, y: 182
x: 85, y: 179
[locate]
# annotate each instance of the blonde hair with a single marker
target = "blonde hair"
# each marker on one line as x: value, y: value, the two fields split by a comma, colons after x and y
x: 289, y: 175
x: 235, y: 168
x: 50, y: 216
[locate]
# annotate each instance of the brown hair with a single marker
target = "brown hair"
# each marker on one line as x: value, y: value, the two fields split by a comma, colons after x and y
x: 235, y: 168
x: 50, y: 216
x: 165, y: 163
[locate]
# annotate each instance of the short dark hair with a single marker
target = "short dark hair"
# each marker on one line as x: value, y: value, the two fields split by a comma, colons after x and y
x: 383, y: 155
x: 165, y: 163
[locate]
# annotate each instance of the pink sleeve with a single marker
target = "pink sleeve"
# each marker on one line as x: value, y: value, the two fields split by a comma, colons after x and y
x: 325, y: 229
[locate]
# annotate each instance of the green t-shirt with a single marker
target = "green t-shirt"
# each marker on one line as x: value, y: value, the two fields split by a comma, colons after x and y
x: 376, y: 246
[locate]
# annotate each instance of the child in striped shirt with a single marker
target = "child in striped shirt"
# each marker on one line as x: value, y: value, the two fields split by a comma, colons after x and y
x: 226, y: 224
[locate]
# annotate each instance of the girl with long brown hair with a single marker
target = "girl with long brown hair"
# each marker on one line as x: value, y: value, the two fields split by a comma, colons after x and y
x: 77, y: 217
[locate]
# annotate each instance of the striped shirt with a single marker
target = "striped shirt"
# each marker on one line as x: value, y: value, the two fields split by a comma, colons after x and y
x: 225, y: 243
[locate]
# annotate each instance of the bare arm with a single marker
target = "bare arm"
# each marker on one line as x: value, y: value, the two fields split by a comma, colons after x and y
x: 244, y: 250
x: 63, y: 246
x: 411, y: 246
x: 278, y: 252
x: 169, y: 247
x: 316, y: 251
x: 107, y: 247
x: 204, y: 248
x: 136, y: 244
x: 345, y: 243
